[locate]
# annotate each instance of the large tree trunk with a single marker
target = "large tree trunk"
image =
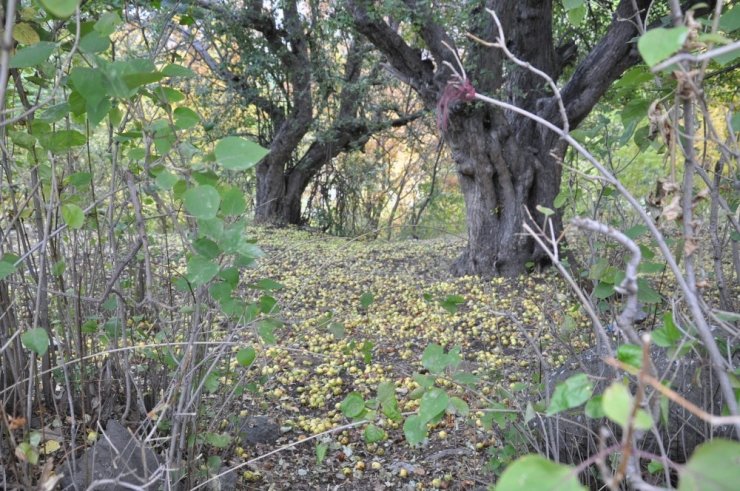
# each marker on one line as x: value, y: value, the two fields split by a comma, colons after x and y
x: 507, y: 165
x: 503, y: 176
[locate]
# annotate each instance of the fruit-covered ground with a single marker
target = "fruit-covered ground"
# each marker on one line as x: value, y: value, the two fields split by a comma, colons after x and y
x: 358, y: 314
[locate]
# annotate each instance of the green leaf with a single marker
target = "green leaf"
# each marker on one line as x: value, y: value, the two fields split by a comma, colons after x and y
x: 206, y: 248
x: 536, y: 473
x: 58, y: 268
x: 233, y: 202
x: 714, y: 466
x: 218, y: 440
x: 436, y: 360
x: 630, y: 354
x: 603, y: 290
x: 175, y: 70
x: 668, y: 334
x: 202, y: 201
x: 636, y: 231
x: 107, y: 23
x: 414, y: 429
x: 73, y: 216
x: 730, y: 20
x: 577, y: 15
x: 63, y: 140
x: 236, y: 153
x: 337, y: 330
x: 451, y: 303
x: 79, y: 179
x: 266, y: 284
x: 24, y: 33
x: 37, y: 340
x: 654, y: 466
x: 60, y: 8
x: 373, y: 434
x: 32, y: 55
x: 658, y: 44
x: 7, y: 268
x: 93, y: 42
x: 166, y: 180
x: 321, y: 450
x: 459, y: 406
x: 594, y: 408
x: 548, y: 212
x: 571, y: 393
x: 353, y: 406
x: 90, y: 83
x: 617, y: 403
x: 137, y: 79
x: 366, y: 299
x: 246, y: 356
x: 646, y: 293
x: 186, y: 118
x: 433, y: 403
x: 201, y: 270
x: 266, y: 329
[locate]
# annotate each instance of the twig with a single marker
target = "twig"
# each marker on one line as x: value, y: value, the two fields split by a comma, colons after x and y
x: 687, y: 57
x: 675, y: 397
x: 629, y: 284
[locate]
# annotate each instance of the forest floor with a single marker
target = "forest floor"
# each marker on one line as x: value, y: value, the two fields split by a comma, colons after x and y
x: 359, y: 313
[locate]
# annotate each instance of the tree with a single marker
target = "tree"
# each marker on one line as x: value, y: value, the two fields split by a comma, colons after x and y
x: 282, y: 61
x: 507, y: 163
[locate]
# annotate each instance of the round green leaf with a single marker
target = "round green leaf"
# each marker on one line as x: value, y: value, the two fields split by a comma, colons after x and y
x: 37, y: 340
x: 25, y: 34
x: 236, y: 153
x: 233, y: 202
x: 366, y: 299
x: 73, y: 216
x: 60, y: 8
x: 373, y: 434
x: 714, y: 466
x: 186, y: 118
x: 414, y: 429
x: 246, y: 356
x: 631, y: 354
x: 658, y: 44
x: 433, y: 403
x: 7, y: 268
x: 202, y: 202
x: 572, y: 393
x: 617, y: 405
x: 201, y: 270
x: 536, y: 473
x: 353, y: 406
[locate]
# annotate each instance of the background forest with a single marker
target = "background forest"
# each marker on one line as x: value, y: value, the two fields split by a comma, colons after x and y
x: 409, y: 244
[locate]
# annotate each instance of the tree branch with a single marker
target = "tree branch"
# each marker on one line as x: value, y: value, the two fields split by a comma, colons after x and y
x: 404, y: 59
x: 604, y: 64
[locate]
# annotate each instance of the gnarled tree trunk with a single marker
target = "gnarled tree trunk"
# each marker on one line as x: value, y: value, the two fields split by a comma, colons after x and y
x: 507, y: 164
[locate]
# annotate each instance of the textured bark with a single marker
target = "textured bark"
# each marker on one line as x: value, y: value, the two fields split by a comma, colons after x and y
x: 507, y: 165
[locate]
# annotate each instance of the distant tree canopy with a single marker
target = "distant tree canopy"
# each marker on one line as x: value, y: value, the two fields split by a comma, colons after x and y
x: 315, y: 85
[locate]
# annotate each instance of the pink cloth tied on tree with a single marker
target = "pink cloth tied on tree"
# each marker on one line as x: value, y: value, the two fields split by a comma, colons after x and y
x: 458, y: 91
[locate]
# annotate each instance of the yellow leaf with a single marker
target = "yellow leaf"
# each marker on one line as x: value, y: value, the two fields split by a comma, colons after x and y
x: 25, y: 34
x: 50, y: 446
x: 28, y: 13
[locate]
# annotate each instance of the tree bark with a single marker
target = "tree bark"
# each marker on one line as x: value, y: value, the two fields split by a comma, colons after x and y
x: 507, y: 165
